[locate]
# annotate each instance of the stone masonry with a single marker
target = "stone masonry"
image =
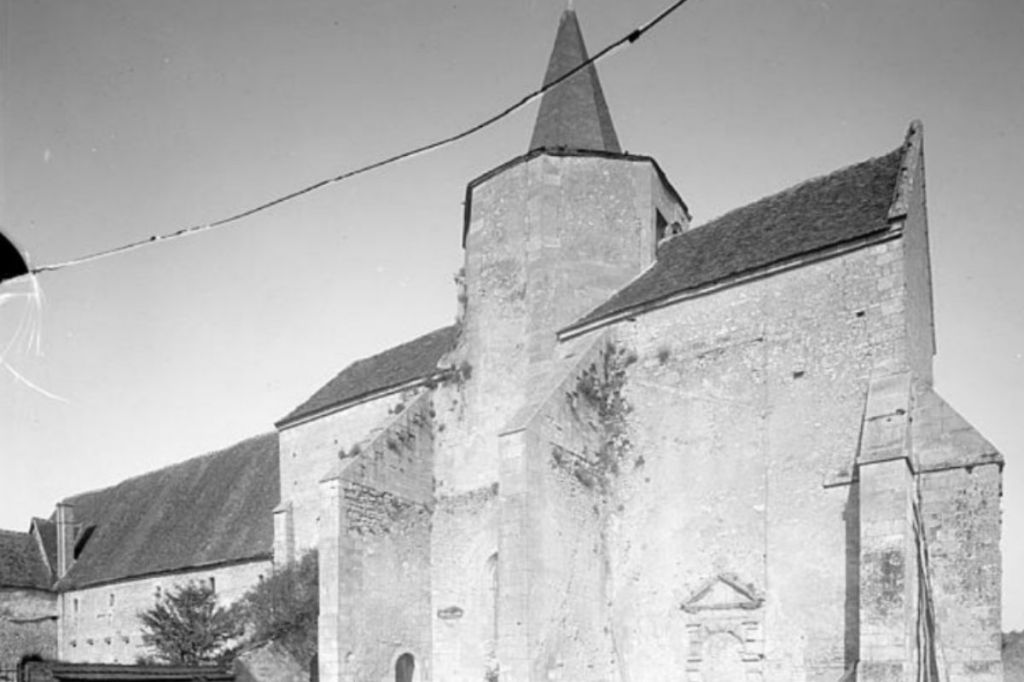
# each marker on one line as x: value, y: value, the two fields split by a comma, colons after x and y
x: 650, y: 451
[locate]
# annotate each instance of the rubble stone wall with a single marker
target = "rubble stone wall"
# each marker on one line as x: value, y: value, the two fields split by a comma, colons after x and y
x: 375, y: 551
x: 101, y: 625
x: 309, y: 450
x: 28, y: 625
x: 746, y: 403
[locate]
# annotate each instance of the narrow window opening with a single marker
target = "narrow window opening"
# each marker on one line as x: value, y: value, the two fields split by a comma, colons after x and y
x: 213, y: 584
x: 111, y: 598
x: 404, y: 667
x: 492, y: 596
x: 660, y: 226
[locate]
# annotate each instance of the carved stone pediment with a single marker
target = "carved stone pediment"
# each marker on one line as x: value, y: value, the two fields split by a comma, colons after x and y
x: 723, y: 592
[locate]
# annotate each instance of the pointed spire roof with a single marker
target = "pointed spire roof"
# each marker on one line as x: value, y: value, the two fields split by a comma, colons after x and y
x: 573, y: 114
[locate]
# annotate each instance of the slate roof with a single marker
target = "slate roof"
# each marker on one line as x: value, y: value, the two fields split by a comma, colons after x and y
x: 574, y: 113
x: 838, y: 208
x: 212, y: 509
x: 21, y: 562
x: 416, y: 359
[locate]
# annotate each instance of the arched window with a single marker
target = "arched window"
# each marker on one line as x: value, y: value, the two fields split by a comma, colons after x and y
x: 404, y: 667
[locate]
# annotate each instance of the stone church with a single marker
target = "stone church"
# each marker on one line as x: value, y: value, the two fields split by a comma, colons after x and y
x: 652, y: 451
x: 646, y: 450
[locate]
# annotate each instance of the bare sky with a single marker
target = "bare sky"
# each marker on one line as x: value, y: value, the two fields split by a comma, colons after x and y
x: 123, y: 118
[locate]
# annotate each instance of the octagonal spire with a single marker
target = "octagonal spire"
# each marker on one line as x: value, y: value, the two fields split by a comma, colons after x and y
x: 573, y: 114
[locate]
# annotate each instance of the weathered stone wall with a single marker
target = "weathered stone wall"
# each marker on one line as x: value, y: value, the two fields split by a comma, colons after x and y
x: 28, y: 625
x: 101, y: 625
x: 375, y: 551
x: 548, y: 240
x: 309, y: 450
x: 464, y: 538
x: 961, y: 512
x: 554, y: 620
x: 745, y: 403
x: 464, y: 583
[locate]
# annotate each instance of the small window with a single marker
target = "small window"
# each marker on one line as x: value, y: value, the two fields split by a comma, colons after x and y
x: 213, y: 584
x: 76, y: 606
x: 111, y: 598
x: 660, y: 226
x: 157, y: 593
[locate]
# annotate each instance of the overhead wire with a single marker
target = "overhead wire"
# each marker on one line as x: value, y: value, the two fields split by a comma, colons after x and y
x: 627, y: 39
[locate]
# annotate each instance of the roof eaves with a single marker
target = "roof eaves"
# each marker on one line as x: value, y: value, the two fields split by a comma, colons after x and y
x: 561, y: 152
x: 69, y: 584
x: 303, y: 417
x: 832, y: 251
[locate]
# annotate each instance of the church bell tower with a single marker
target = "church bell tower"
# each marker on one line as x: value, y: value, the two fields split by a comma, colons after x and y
x: 551, y: 234
x: 548, y: 236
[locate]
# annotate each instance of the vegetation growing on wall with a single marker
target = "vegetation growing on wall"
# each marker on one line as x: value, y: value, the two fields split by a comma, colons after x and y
x: 461, y: 374
x: 601, y: 389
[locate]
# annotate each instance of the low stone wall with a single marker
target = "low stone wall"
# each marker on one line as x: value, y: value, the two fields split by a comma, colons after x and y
x: 28, y: 625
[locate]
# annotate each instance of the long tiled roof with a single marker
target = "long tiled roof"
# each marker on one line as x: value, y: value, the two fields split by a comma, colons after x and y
x: 410, y: 361
x: 846, y: 205
x: 21, y: 562
x: 212, y: 509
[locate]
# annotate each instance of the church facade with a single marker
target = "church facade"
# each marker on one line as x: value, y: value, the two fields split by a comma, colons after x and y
x: 645, y: 451
x: 653, y: 451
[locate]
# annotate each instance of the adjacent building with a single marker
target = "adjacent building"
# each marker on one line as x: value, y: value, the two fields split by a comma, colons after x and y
x: 106, y: 555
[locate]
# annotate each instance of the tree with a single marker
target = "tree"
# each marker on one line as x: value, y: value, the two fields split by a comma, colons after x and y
x: 284, y: 609
x: 187, y: 627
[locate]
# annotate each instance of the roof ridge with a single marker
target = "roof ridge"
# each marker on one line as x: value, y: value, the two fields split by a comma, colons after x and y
x: 795, y: 187
x: 207, y: 509
x: 13, y: 532
x: 168, y: 467
x: 404, y: 344
x: 844, y: 207
x: 397, y: 366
